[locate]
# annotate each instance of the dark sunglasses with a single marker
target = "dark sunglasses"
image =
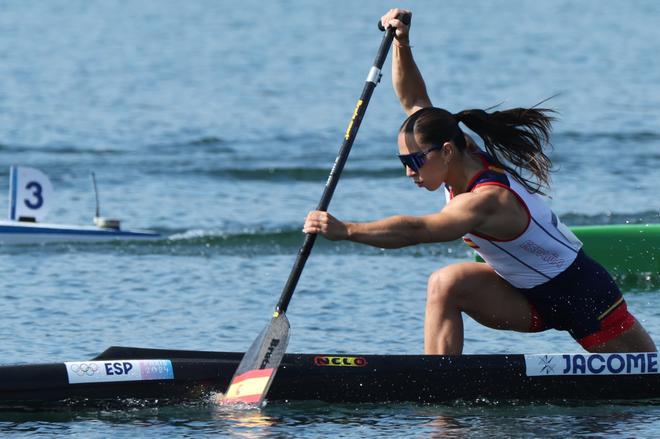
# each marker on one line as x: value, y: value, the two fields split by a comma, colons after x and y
x: 415, y: 160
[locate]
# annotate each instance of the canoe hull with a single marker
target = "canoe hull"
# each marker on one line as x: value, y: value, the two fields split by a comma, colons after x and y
x: 345, y: 379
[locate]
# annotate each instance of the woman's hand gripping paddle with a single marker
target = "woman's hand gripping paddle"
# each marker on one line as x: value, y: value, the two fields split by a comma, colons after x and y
x: 257, y: 369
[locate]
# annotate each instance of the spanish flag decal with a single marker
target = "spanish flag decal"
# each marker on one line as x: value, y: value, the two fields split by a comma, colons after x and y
x: 248, y: 387
x: 470, y: 242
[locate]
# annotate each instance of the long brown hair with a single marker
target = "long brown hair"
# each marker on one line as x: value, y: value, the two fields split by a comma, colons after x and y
x: 515, y: 138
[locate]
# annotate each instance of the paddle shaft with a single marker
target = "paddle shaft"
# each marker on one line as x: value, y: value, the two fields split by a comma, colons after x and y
x: 255, y: 372
x: 351, y: 132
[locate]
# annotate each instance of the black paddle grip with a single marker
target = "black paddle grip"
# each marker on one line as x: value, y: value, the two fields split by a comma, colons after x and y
x: 403, y: 17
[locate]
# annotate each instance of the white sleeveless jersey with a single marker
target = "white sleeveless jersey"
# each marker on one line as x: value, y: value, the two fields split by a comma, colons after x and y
x: 542, y: 251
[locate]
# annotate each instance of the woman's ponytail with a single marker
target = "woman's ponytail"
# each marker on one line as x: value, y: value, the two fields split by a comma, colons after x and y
x: 515, y: 139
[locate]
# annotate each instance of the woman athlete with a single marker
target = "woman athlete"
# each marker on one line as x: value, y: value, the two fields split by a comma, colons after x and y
x: 536, y: 276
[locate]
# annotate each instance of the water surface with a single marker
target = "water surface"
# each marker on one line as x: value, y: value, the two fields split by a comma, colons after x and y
x: 216, y: 124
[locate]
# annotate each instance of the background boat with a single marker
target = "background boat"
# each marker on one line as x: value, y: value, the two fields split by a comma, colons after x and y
x: 21, y: 232
x: 30, y: 199
x: 624, y: 249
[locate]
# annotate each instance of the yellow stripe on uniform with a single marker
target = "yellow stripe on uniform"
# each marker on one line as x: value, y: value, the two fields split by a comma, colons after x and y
x: 470, y: 242
x: 610, y: 309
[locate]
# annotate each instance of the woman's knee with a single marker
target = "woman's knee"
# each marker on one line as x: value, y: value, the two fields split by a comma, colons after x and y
x: 443, y: 287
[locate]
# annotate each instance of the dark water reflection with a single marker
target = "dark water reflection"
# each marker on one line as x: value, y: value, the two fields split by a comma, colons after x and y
x: 372, y: 420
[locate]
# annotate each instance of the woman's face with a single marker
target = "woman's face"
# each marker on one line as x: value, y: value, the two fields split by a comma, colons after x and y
x: 433, y: 172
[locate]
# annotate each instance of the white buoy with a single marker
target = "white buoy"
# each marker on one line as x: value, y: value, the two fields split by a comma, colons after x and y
x: 99, y: 221
x: 106, y: 223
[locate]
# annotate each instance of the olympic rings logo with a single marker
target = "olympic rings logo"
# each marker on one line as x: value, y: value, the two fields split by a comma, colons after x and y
x: 85, y: 369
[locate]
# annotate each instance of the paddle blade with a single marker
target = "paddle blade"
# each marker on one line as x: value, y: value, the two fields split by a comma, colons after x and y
x: 256, y: 370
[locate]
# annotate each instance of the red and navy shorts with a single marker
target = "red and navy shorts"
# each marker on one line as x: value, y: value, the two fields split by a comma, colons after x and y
x: 583, y: 300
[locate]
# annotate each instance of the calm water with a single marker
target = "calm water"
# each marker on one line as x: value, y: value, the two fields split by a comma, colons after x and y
x: 216, y: 124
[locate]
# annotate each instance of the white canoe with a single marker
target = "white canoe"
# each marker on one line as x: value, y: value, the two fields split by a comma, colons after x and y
x: 21, y: 232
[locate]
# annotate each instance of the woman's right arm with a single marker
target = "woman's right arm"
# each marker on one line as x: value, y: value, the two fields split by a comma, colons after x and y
x: 406, y: 78
x: 463, y: 213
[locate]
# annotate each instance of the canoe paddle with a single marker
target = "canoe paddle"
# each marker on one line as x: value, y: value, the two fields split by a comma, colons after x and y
x: 257, y: 369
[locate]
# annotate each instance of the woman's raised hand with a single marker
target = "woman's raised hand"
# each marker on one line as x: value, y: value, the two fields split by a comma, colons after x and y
x: 402, y: 29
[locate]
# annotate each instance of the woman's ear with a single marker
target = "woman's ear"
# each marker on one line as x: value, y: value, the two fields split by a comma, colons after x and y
x: 448, y: 150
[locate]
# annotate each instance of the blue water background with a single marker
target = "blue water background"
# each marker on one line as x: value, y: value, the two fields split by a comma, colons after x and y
x: 216, y: 124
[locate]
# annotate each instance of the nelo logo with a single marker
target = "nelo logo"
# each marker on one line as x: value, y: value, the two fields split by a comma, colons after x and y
x: 340, y: 361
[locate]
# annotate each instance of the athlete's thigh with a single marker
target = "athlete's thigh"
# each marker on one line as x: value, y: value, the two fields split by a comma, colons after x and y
x: 488, y: 298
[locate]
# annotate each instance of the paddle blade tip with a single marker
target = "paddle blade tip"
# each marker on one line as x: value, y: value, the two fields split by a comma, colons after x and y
x: 248, y: 388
